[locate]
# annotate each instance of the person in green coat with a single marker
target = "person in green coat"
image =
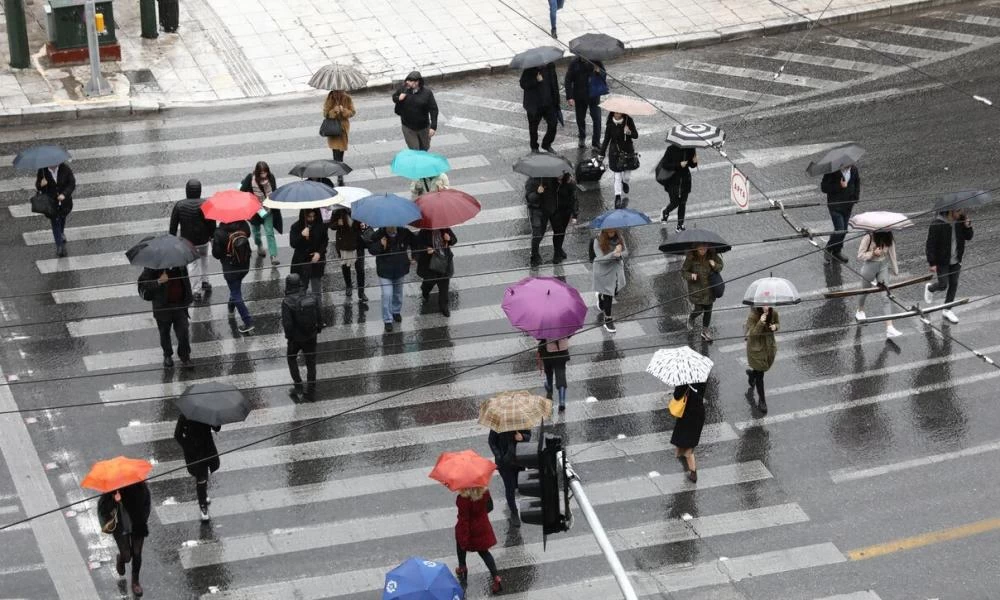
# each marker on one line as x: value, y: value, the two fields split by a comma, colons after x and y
x: 758, y: 332
x: 699, y: 264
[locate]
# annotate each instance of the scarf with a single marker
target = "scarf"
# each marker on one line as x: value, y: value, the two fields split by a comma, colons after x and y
x: 261, y: 191
x: 437, y: 240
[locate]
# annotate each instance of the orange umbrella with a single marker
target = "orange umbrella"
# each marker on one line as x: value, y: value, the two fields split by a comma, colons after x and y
x: 116, y: 473
x: 461, y: 470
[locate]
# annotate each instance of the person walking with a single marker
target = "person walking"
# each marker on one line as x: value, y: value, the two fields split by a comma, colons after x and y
x: 124, y: 513
x: 418, y: 112
x: 170, y: 292
x: 419, y: 187
x: 339, y: 105
x: 619, y: 133
x: 58, y: 183
x: 877, y: 254
x: 699, y: 264
x: 200, y: 455
x: 758, y: 332
x: 261, y: 183
x: 541, y: 101
x: 231, y: 246
x: 554, y: 355
x: 349, y: 245
x: 580, y: 93
x: 687, y: 430
x: 945, y: 247
x: 677, y: 162
x: 552, y: 201
x: 187, y: 218
x: 439, y: 242
x: 504, y: 447
x: 474, y: 533
x: 843, y: 190
x: 310, y: 240
x: 170, y: 15
x: 609, y: 272
x: 554, y: 5
x: 392, y: 248
x: 301, y: 321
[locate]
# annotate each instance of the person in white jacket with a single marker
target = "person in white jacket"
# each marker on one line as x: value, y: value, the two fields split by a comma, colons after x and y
x: 877, y: 254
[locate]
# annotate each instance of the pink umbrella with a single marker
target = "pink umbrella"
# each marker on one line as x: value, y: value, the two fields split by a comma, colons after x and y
x: 544, y: 307
x: 446, y: 208
x: 628, y: 105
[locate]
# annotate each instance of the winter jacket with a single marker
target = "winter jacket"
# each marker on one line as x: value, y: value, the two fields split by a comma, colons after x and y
x: 65, y: 185
x: 393, y: 261
x: 247, y: 186
x: 346, y: 233
x: 840, y: 199
x: 698, y: 290
x: 559, y: 197
x: 938, y: 246
x: 174, y: 294
x: 761, y: 345
x: 672, y: 158
x: 504, y: 447
x: 577, y: 81
x: 343, y: 114
x: 137, y: 503
x: 609, y: 270
x: 422, y: 242
x: 317, y: 242
x: 419, y: 187
x: 294, y: 288
x: 197, y: 442
x: 540, y: 96
x: 220, y: 244
x: 617, y: 140
x: 193, y: 225
x: 473, y: 531
x: 419, y: 110
x: 866, y: 252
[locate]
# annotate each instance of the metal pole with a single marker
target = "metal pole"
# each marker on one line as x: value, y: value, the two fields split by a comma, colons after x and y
x: 602, y: 538
x: 17, y: 34
x: 147, y: 18
x: 97, y: 86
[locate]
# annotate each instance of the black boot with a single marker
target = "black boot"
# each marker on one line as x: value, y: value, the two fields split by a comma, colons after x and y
x: 348, y: 283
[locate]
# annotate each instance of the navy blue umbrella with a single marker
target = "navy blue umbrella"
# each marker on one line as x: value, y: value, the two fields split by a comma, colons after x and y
x: 619, y: 219
x: 385, y: 210
x: 302, y: 194
x: 39, y: 157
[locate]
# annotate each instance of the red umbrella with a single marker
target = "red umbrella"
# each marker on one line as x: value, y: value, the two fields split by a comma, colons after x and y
x: 446, y: 208
x: 462, y: 470
x: 229, y: 206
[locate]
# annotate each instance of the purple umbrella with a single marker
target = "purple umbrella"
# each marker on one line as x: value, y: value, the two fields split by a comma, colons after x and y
x: 544, y: 307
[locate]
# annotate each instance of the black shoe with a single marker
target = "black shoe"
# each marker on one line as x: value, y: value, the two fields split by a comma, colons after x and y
x: 534, y: 149
x: 548, y: 149
x: 293, y: 393
x: 581, y: 143
x: 362, y: 298
x: 556, y: 259
x: 596, y: 147
x: 625, y: 187
x: 561, y: 254
x: 679, y: 228
x: 553, y: 32
x: 348, y: 291
x: 168, y: 362
x: 536, y: 259
x: 664, y: 216
x: 693, y: 476
x: 840, y: 256
x: 231, y: 307
x: 186, y: 361
x: 425, y: 293
x: 397, y: 318
x: 388, y: 327
x: 548, y: 393
x: 309, y: 396
x: 206, y: 287
x: 762, y: 406
x: 445, y: 311
x: 515, y: 520
x: 618, y: 201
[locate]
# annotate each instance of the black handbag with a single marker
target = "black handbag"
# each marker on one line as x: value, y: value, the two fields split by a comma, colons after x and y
x: 438, y: 262
x: 331, y: 128
x: 717, y: 284
x: 625, y: 161
x: 663, y: 174
x: 43, y: 204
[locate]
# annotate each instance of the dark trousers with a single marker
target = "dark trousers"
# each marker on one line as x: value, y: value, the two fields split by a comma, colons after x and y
x: 705, y: 311
x: 130, y: 548
x: 559, y: 224
x: 582, y: 108
x: 359, y: 270
x: 947, y: 279
x: 556, y: 370
x: 534, y: 120
x: 604, y: 303
x: 839, y: 219
x: 427, y: 286
x: 169, y: 14
x: 485, y: 555
x: 58, y: 227
x: 678, y: 201
x: 292, y: 355
x: 177, y: 319
x: 338, y: 155
x: 509, y: 477
x: 201, y: 490
x: 539, y: 223
x: 756, y: 379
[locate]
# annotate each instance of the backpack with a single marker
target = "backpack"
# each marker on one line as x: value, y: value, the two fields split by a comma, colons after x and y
x: 238, y: 249
x: 305, y: 314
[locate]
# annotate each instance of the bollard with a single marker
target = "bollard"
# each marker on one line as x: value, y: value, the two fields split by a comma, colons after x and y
x: 17, y: 34
x: 147, y: 17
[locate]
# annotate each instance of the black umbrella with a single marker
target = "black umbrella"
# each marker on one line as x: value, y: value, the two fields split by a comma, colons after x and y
x: 317, y: 169
x: 214, y: 403
x: 597, y: 46
x: 40, y: 157
x: 163, y: 252
x: 692, y: 238
x: 543, y: 165
x: 962, y: 200
x: 836, y: 159
x: 536, y: 57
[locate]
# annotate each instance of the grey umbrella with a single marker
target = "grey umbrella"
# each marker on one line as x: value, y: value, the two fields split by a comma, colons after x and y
x: 163, y: 252
x: 39, y: 157
x: 536, y: 57
x: 543, y: 165
x: 771, y: 291
x: 214, y: 403
x: 690, y: 239
x: 597, y: 46
x: 836, y: 159
x: 962, y: 200
x: 316, y: 169
x: 338, y: 77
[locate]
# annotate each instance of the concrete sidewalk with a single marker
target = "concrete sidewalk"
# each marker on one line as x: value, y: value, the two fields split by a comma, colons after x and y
x: 227, y: 50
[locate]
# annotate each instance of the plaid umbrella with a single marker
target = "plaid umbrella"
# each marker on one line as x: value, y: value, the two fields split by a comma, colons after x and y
x: 116, y: 473
x: 696, y: 135
x: 463, y: 470
x: 514, y: 411
x: 679, y: 366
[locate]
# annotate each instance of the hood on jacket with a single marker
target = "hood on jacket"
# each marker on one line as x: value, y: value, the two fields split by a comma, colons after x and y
x: 192, y: 189
x: 315, y: 211
x: 415, y: 76
x: 293, y: 284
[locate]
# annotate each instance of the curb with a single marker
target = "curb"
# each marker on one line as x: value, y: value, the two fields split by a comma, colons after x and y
x: 52, y: 112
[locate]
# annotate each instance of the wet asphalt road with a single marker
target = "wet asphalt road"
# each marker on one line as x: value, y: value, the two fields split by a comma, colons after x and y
x: 867, y: 442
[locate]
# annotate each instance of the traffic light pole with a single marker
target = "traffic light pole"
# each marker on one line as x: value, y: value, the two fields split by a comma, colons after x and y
x: 602, y: 538
x: 97, y: 86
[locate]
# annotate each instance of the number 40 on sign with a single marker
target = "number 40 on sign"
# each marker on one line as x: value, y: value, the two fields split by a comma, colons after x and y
x: 739, y: 189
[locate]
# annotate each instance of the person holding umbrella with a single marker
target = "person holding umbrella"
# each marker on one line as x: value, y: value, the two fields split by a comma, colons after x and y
x: 301, y: 321
x: 699, y: 264
x: 551, y: 200
x: 231, y: 247
x: 619, y: 133
x: 758, y: 332
x: 540, y: 101
x: 392, y: 248
x: 436, y: 264
x: 503, y: 445
x: 580, y: 92
x: 675, y: 167
x: 945, y: 247
x: 339, y: 105
x: 58, y: 183
x: 877, y: 253
x: 349, y: 245
x: 474, y: 533
x: 609, y: 272
x: 418, y: 112
x: 170, y: 292
x: 187, y: 217
x: 687, y: 430
x: 261, y: 183
x: 843, y: 190
x: 310, y: 240
x: 200, y: 455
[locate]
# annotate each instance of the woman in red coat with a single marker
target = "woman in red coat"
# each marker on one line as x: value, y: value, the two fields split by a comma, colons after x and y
x: 474, y: 532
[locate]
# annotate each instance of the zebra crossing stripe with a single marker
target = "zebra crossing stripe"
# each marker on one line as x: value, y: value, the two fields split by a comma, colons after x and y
x: 968, y: 19
x: 756, y: 74
x: 699, y: 88
x: 885, y: 48
x: 935, y: 34
x: 818, y: 61
x: 867, y: 595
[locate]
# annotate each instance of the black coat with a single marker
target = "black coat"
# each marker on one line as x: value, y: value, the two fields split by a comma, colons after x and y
x: 577, y: 81
x: 422, y: 243
x: 418, y: 110
x: 687, y: 430
x: 289, y: 304
x: 317, y: 243
x: 393, y: 261
x: 197, y: 442
x: 540, y: 96
x: 840, y: 199
x: 671, y: 160
x: 151, y: 289
x: 558, y: 199
x: 220, y: 243
x: 136, y: 501
x: 938, y: 247
x: 247, y: 186
x: 193, y: 225
x: 346, y: 233
x: 65, y: 185
x: 617, y: 141
x: 504, y: 447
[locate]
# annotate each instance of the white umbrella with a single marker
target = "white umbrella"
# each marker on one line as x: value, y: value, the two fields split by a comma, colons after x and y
x: 338, y: 77
x: 880, y: 220
x: 679, y: 366
x: 771, y: 291
x: 628, y: 105
x: 346, y: 196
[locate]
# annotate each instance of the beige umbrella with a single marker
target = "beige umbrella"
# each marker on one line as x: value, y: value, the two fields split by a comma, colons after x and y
x: 513, y: 411
x: 628, y: 105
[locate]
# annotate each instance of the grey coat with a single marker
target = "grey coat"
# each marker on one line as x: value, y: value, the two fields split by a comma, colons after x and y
x: 609, y: 271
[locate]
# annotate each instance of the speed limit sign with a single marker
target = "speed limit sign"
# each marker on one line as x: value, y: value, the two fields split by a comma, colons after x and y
x: 739, y: 189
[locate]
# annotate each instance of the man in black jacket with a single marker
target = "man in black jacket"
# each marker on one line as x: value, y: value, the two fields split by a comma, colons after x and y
x: 577, y: 85
x: 300, y: 318
x: 57, y: 182
x: 945, y: 247
x: 418, y: 112
x: 504, y: 447
x: 843, y: 190
x: 198, y: 230
x: 541, y: 101
x: 170, y: 292
x: 551, y: 201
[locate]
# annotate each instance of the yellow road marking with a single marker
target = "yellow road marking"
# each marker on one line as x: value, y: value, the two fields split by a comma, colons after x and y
x: 925, y: 539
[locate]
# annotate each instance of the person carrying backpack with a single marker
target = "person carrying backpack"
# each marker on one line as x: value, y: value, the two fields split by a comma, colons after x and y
x: 300, y: 318
x: 231, y: 245
x: 170, y: 292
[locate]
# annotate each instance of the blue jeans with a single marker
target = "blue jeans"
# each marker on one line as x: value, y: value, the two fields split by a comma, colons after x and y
x: 836, y: 240
x: 553, y: 7
x: 392, y: 297
x: 58, y: 225
x: 236, y: 298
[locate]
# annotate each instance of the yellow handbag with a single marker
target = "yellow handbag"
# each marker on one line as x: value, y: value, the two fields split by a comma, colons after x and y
x: 676, y: 405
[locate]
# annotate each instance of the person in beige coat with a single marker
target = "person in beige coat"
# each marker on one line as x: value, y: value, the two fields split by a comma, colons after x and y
x: 877, y: 254
x: 339, y: 105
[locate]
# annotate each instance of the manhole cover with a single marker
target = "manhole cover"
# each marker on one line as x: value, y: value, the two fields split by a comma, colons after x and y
x: 140, y: 76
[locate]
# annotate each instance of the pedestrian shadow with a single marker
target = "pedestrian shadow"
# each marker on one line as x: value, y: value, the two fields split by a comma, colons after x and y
x: 864, y: 429
x: 939, y: 413
x: 754, y: 444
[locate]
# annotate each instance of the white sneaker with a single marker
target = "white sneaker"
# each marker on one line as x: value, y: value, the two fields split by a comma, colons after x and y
x: 204, y: 514
x: 928, y: 294
x: 949, y: 315
x: 892, y: 332
x: 860, y: 315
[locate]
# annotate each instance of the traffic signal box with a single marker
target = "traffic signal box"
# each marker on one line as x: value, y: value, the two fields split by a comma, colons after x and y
x: 544, y: 479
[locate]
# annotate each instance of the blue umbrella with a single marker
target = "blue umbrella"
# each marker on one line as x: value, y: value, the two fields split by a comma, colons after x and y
x: 385, y: 210
x: 39, y: 157
x: 620, y: 218
x: 418, y: 164
x: 421, y: 579
x: 302, y: 194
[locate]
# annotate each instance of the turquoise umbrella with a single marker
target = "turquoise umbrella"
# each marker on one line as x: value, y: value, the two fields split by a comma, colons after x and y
x: 418, y: 164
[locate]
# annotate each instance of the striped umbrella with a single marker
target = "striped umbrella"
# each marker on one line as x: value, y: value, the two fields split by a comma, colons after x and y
x: 696, y: 135
x: 679, y: 366
x: 338, y: 77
